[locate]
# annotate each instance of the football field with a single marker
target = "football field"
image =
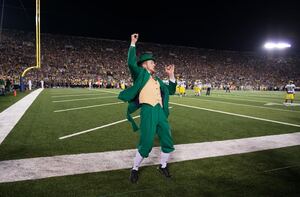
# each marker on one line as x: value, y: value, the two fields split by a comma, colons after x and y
x: 81, y: 125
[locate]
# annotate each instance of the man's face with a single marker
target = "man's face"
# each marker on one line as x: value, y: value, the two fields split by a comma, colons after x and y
x: 149, y: 65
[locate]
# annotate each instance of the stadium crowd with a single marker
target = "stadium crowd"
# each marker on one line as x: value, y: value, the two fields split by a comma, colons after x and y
x: 69, y: 61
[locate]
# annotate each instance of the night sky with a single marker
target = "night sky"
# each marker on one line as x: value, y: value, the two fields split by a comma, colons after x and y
x: 228, y: 25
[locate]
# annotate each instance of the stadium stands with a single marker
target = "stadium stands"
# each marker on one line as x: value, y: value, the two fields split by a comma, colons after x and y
x: 72, y: 61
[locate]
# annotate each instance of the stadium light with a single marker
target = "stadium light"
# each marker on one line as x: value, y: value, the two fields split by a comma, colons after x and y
x: 274, y: 46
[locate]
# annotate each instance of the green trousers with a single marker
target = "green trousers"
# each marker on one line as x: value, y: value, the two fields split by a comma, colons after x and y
x: 154, y: 121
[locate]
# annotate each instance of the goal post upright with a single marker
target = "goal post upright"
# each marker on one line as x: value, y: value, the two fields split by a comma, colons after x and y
x: 37, y: 40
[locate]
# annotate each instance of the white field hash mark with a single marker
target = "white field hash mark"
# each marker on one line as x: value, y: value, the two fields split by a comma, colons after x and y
x: 86, y: 107
x: 82, y: 99
x: 96, y: 128
x: 75, y: 95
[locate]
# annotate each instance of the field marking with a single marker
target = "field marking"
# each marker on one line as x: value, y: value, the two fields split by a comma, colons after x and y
x: 284, y: 104
x: 234, y: 114
x: 68, y: 91
x: 63, y: 165
x: 239, y: 99
x: 257, y: 99
x: 11, y: 116
x: 281, y: 96
x: 291, y: 104
x: 82, y: 99
x: 270, y: 104
x: 65, y: 90
x: 74, y: 95
x: 86, y: 107
x: 282, y: 168
x: 106, y: 91
x: 96, y: 128
x: 254, y: 100
x: 252, y: 92
x: 240, y: 104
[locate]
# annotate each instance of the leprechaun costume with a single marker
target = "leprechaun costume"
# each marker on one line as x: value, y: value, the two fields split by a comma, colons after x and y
x: 152, y: 96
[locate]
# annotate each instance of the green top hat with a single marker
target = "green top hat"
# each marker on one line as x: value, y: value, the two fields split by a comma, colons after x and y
x: 145, y: 57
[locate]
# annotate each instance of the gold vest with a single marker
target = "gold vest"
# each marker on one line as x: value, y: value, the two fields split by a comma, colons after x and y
x: 150, y: 93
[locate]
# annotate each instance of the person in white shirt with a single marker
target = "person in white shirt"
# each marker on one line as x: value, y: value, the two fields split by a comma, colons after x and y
x: 29, y: 84
x: 90, y: 84
x: 208, y: 89
x: 42, y: 84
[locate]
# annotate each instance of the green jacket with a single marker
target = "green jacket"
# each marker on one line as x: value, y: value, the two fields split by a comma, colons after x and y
x: 140, y: 77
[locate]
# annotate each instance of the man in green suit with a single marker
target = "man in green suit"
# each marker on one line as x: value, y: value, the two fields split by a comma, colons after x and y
x: 151, y: 95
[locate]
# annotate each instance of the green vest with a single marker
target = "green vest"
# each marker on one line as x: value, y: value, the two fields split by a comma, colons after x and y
x: 140, y: 77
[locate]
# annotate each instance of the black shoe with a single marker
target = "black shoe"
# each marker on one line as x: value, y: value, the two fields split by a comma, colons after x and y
x: 164, y: 171
x: 133, y: 176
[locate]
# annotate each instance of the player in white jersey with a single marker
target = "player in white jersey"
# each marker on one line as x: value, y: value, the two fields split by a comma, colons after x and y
x: 90, y: 84
x: 290, y: 92
x: 198, y: 88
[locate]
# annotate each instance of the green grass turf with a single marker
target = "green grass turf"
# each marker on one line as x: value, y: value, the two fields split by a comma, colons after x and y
x: 10, y: 99
x: 236, y: 175
x: 38, y: 131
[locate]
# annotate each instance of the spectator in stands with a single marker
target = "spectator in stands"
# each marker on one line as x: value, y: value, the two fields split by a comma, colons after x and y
x: 70, y: 61
x: 8, y: 85
x: 2, y: 86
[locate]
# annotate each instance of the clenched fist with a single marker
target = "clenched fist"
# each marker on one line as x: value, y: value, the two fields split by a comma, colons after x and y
x: 134, y: 38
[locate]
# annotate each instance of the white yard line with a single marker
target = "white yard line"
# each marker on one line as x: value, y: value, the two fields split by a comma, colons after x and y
x: 82, y: 99
x: 234, y: 114
x: 86, y: 107
x: 106, y: 91
x: 96, y: 128
x: 10, y: 117
x: 45, y: 167
x: 280, y: 95
x: 259, y: 96
x: 74, y: 95
x: 101, y: 127
x: 65, y: 91
x: 239, y: 99
x: 291, y: 104
x: 282, y: 168
x: 239, y: 104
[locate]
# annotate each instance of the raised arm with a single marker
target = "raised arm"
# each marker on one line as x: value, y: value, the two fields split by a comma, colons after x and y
x: 132, y: 60
x: 172, y: 81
